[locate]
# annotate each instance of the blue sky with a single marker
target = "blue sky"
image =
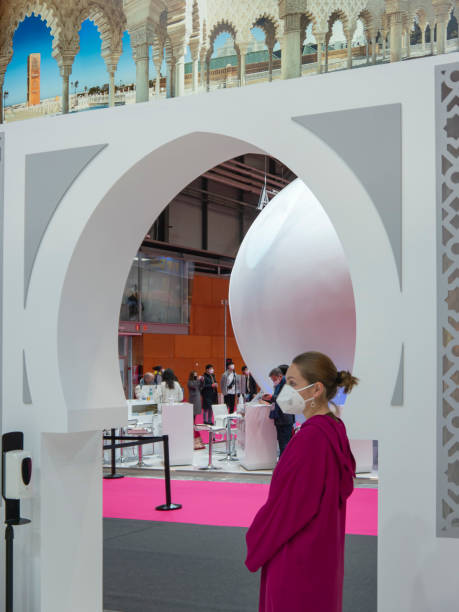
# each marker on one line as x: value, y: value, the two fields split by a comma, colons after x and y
x: 33, y: 36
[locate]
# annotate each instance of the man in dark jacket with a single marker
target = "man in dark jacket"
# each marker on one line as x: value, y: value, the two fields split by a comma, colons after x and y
x: 248, y: 385
x: 283, y: 422
x: 209, y: 393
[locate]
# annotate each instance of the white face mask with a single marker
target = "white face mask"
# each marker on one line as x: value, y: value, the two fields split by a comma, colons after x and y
x: 290, y: 401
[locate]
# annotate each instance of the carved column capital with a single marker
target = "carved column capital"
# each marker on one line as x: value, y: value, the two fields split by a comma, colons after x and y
x: 292, y: 23
x: 292, y: 7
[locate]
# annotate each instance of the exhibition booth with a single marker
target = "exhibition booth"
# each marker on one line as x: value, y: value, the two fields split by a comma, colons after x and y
x: 76, y: 201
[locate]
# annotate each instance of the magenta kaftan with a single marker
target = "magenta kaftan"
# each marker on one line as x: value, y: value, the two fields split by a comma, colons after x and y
x: 297, y: 537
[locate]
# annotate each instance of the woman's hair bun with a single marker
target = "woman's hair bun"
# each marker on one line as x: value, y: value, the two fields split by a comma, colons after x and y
x: 346, y: 380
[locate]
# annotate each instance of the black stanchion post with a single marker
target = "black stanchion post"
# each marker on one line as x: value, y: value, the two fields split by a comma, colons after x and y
x: 9, y: 537
x: 167, y: 479
x: 113, y: 473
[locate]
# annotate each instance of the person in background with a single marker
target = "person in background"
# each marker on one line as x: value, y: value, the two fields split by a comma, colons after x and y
x: 145, y: 385
x: 248, y: 385
x: 209, y: 392
x: 283, y: 368
x: 283, y: 422
x: 158, y: 372
x: 297, y: 537
x: 194, y: 397
x: 171, y: 391
x: 229, y: 386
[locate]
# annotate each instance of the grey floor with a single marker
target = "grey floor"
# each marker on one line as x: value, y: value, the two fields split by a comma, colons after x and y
x: 173, y: 567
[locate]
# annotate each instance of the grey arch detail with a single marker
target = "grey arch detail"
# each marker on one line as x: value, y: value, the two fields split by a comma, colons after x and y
x: 26, y: 395
x: 48, y: 178
x: 399, y: 390
x: 369, y: 141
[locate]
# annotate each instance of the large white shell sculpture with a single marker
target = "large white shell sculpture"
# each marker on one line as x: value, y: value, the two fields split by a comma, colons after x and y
x: 290, y: 288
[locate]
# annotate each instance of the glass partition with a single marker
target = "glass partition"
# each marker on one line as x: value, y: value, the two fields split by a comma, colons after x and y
x: 157, y: 290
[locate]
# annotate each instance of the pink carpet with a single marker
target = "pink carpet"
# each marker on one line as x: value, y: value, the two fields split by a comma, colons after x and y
x: 224, y: 504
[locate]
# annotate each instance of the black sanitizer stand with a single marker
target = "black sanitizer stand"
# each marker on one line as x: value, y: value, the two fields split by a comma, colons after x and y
x: 10, y: 442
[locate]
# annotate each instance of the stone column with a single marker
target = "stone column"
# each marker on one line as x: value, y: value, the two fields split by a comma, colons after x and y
x: 179, y: 76
x: 408, y: 44
x: 202, y: 57
x: 291, y: 46
x: 66, y: 71
x: 396, y: 26
x: 270, y: 62
x: 243, y: 46
x: 194, y: 49
x: 367, y: 47
x: 373, y: 49
x: 320, y: 38
x: 384, y: 47
x: 423, y: 37
x: 111, y: 88
x: 327, y: 42
x: 142, y: 72
x: 157, y: 55
x: 442, y: 11
x: 208, y: 74
x: 195, y: 75
x: 4, y: 61
x: 172, y: 76
x: 349, y: 36
x: 158, y: 62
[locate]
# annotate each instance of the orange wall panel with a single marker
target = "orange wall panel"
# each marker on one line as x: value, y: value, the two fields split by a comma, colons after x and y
x: 160, y: 345
x: 194, y: 347
x: 205, y: 342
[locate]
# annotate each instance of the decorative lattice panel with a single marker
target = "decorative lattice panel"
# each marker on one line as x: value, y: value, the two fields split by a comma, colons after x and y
x: 447, y: 109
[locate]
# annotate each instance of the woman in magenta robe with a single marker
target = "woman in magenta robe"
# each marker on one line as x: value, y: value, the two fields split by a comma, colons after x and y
x: 298, y: 536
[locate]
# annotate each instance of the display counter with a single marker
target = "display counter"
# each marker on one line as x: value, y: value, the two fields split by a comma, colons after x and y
x: 363, y: 455
x: 256, y: 438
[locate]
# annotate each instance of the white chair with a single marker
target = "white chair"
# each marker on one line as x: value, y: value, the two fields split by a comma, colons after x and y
x: 220, y: 411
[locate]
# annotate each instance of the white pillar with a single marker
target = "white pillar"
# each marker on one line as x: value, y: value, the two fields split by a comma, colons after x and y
x: 70, y: 533
x: 291, y: 47
x: 111, y: 88
x: 242, y: 62
x: 395, y: 37
x: 208, y: 74
x: 179, y: 76
x: 326, y: 54
x: 367, y: 50
x: 384, y: 48
x: 142, y: 77
x: 66, y: 71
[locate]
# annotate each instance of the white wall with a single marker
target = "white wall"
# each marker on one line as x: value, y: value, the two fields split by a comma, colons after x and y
x: 71, y: 345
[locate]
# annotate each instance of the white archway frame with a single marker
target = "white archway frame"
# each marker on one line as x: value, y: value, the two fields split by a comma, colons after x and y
x: 111, y: 201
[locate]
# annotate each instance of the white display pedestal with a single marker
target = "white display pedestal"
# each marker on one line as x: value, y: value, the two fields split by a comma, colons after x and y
x: 363, y: 455
x: 177, y: 423
x: 256, y: 438
x: 175, y: 420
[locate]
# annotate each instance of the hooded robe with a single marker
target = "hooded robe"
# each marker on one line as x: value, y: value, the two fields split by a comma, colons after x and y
x: 297, y: 537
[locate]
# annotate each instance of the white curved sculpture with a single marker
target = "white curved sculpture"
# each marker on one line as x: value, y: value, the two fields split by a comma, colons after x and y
x: 290, y: 288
